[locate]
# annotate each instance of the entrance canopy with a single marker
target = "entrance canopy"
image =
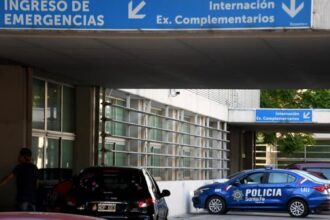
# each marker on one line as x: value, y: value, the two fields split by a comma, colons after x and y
x: 248, y: 60
x: 246, y: 44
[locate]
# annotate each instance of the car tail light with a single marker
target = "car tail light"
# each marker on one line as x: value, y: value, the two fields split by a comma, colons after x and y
x: 146, y: 202
x: 320, y: 188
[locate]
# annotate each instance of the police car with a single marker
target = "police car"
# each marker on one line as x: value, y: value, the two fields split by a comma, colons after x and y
x: 295, y: 191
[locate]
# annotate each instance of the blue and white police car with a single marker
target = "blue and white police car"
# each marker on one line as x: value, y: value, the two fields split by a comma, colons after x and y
x: 295, y: 191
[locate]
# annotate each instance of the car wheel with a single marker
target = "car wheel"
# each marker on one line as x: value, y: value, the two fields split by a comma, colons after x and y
x: 298, y: 208
x: 216, y: 205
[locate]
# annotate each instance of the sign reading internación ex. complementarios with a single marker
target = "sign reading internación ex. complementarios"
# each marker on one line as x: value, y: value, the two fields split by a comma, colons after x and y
x: 284, y: 115
x: 154, y: 14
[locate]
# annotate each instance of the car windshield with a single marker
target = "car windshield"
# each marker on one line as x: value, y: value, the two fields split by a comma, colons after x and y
x: 236, y: 174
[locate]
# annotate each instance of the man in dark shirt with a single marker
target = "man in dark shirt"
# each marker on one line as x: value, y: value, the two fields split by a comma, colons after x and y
x: 26, y: 181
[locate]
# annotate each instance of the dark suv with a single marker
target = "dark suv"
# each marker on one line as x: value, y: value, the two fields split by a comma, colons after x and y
x: 117, y: 192
x: 320, y: 169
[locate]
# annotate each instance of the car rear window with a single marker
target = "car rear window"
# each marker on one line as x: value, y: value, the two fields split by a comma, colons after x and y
x: 116, y: 182
x: 122, y: 182
x: 310, y: 176
x: 324, y: 171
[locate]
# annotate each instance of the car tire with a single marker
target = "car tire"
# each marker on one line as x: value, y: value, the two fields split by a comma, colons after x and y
x: 298, y: 208
x: 216, y: 205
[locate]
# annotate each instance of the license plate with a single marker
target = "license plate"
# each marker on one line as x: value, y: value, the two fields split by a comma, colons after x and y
x: 106, y: 207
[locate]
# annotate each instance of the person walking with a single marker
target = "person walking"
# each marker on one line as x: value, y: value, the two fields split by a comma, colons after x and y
x: 26, y: 181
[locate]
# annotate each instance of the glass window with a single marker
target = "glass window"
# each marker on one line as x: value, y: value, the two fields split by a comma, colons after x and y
x: 125, y: 184
x: 37, y: 151
x: 320, y: 172
x: 116, y: 113
x: 113, y: 158
x: 154, y: 121
x: 186, y: 162
x: 154, y: 160
x: 280, y: 178
x: 67, y: 153
x: 52, y: 153
x: 49, y: 103
x: 38, y: 104
x: 120, y: 159
x: 68, y: 109
x: 108, y: 155
x: 54, y: 107
x: 254, y: 178
x: 186, y: 129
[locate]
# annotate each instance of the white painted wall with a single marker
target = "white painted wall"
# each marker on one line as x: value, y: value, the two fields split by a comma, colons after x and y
x: 186, y: 100
x: 242, y: 115
x: 233, y: 98
x: 179, y: 202
x: 321, y: 15
x: 321, y: 116
x: 321, y: 136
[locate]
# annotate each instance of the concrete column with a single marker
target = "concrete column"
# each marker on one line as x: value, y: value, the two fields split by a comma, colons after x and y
x: 85, y: 144
x: 15, y: 123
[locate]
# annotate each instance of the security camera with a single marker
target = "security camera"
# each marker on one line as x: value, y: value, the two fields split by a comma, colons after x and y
x: 174, y: 92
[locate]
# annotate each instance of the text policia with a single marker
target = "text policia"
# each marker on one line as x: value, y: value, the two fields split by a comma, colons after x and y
x: 45, y: 13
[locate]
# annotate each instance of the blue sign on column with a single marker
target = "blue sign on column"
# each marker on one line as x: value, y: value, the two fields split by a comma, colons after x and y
x: 284, y: 115
x: 155, y: 14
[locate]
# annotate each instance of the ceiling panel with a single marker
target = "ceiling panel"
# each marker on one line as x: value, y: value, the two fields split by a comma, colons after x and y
x: 253, y: 60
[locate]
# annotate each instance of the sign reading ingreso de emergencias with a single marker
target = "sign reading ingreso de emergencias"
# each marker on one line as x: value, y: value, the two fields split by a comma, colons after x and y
x: 154, y: 14
x: 284, y: 115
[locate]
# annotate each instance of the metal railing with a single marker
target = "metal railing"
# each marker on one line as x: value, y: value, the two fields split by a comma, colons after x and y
x: 268, y: 155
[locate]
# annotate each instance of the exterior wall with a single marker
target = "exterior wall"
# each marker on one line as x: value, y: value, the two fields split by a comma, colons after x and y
x: 242, y: 115
x: 15, y: 124
x: 147, y: 133
x: 321, y: 136
x: 185, y: 100
x: 233, y: 98
x: 321, y: 14
x: 179, y: 202
x: 321, y: 116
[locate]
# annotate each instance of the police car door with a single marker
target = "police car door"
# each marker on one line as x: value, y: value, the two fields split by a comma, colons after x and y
x: 245, y: 192
x: 278, y: 189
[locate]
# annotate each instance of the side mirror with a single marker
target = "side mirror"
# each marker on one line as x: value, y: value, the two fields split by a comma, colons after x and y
x: 237, y: 183
x: 165, y: 193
